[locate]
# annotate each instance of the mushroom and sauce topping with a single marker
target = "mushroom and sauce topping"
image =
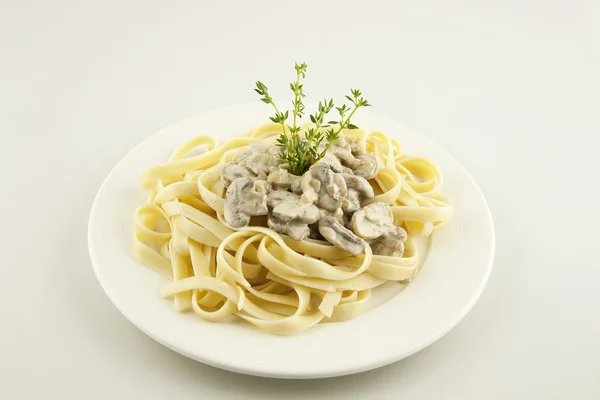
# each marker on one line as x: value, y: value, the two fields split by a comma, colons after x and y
x: 325, y: 202
x: 231, y: 172
x: 290, y: 215
x: 245, y: 198
x: 375, y: 223
x: 339, y: 236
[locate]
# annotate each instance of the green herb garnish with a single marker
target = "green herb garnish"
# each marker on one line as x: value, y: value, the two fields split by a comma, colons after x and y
x: 299, y: 153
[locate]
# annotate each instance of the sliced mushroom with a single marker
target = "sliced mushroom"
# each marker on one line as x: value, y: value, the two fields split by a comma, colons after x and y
x: 334, y: 163
x: 336, y: 234
x: 277, y: 196
x: 338, y: 214
x: 351, y: 202
x: 243, y: 200
x: 260, y: 158
x: 342, y: 142
x: 276, y: 224
x: 360, y: 184
x: 294, y: 230
x: 255, y: 148
x: 262, y: 186
x: 390, y: 243
x: 309, y: 188
x: 357, y: 148
x: 297, y: 185
x: 282, y: 179
x: 342, y: 150
x: 329, y: 193
x: 275, y: 150
x: 260, y: 163
x: 297, y: 231
x: 291, y: 208
x: 364, y: 165
x: 290, y: 215
x: 373, y: 221
x: 340, y: 182
x: 233, y: 171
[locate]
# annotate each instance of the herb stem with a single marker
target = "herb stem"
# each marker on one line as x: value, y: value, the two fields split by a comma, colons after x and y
x: 296, y: 96
x: 344, y: 123
x: 300, y: 152
x: 282, y: 122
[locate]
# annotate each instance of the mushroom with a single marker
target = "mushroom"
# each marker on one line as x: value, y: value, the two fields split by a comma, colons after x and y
x: 254, y: 148
x: 338, y: 214
x: 364, y: 165
x: 373, y: 221
x: 233, y: 171
x: 357, y: 148
x: 390, y: 243
x: 347, y: 220
x: 351, y: 202
x: 360, y: 184
x: 334, y: 163
x: 260, y: 164
x: 277, y: 196
x: 340, y: 182
x: 342, y: 142
x: 342, y: 151
x: 309, y: 188
x: 260, y: 158
x: 294, y: 230
x: 245, y: 198
x: 336, y: 234
x: 262, y: 186
x: 329, y: 192
x: 290, y: 215
x: 275, y: 150
x: 358, y: 188
x: 282, y: 179
x: 291, y: 208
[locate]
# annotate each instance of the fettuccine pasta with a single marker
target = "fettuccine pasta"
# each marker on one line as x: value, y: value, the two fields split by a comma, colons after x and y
x: 281, y: 285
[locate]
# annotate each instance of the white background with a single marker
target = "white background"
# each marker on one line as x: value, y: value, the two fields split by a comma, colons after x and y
x: 510, y: 88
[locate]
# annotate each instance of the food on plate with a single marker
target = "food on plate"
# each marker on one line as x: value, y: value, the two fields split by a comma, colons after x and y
x: 290, y: 224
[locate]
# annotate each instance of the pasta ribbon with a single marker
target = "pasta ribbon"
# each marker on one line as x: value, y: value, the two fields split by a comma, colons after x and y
x: 274, y: 282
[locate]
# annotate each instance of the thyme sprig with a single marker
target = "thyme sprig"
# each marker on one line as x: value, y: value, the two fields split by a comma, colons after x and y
x: 300, y: 153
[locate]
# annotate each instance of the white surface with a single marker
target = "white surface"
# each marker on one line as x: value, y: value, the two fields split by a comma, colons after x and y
x: 453, y: 275
x: 510, y: 88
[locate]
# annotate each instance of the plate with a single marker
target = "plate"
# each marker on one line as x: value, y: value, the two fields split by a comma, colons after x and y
x: 401, y: 320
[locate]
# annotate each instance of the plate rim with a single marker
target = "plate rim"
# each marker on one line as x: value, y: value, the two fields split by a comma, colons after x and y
x: 393, y: 357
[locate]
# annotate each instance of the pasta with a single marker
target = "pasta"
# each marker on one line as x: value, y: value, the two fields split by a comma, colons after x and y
x: 281, y: 285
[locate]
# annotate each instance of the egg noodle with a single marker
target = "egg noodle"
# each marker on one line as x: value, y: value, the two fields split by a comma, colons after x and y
x: 281, y: 285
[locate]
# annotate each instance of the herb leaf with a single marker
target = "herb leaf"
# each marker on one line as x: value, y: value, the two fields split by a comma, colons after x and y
x: 299, y: 153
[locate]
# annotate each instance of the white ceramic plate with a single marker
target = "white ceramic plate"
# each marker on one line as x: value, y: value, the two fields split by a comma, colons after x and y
x: 397, y: 325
